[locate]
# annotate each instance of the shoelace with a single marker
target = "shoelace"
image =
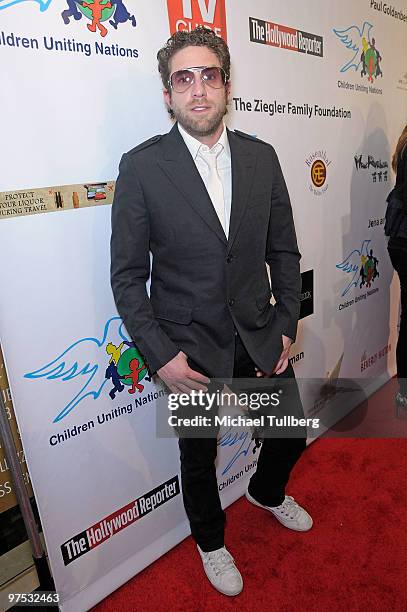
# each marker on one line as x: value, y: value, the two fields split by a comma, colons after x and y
x: 220, y: 561
x: 289, y: 507
x: 401, y: 400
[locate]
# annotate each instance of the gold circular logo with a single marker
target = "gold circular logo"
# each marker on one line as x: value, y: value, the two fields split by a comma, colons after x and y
x: 318, y: 173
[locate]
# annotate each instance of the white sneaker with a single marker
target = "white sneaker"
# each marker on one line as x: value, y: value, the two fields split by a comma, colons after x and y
x: 289, y: 513
x: 221, y: 571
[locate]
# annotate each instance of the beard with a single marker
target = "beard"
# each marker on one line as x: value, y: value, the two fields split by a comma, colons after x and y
x: 200, y: 126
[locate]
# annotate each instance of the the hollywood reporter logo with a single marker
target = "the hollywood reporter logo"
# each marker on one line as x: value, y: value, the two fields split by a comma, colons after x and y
x: 112, y: 524
x: 186, y: 15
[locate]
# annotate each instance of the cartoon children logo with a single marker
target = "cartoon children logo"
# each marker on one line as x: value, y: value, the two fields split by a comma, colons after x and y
x: 370, y: 59
x: 368, y: 269
x: 125, y: 368
x: 98, y: 12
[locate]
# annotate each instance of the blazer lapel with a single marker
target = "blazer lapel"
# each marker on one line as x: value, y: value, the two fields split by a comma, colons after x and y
x: 178, y: 165
x: 243, y: 168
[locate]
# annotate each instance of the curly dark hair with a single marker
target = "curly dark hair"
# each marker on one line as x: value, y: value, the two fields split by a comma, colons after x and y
x: 401, y: 144
x: 200, y: 37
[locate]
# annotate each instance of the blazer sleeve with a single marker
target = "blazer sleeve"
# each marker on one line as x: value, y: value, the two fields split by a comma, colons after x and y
x: 403, y: 171
x: 130, y: 268
x: 282, y: 253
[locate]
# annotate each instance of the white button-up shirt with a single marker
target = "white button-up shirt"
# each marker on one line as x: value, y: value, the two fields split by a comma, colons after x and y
x: 224, y: 166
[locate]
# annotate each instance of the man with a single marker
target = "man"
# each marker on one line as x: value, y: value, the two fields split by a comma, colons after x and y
x: 212, y: 207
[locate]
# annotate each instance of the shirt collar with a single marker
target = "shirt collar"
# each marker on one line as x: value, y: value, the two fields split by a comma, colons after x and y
x: 194, y: 145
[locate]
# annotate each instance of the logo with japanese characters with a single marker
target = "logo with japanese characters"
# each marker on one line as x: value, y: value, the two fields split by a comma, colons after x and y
x: 318, y: 163
x: 402, y: 82
x: 375, y: 168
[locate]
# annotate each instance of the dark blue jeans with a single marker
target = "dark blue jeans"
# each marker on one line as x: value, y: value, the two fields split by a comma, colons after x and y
x: 397, y: 248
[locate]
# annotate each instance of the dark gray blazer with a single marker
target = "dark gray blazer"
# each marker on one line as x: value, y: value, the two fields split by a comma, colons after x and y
x: 204, y: 286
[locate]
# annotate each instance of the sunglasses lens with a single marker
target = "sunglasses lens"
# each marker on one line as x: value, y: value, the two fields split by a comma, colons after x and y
x: 213, y: 77
x: 181, y: 80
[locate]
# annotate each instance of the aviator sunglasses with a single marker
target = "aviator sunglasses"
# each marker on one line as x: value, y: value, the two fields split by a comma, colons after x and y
x: 181, y: 80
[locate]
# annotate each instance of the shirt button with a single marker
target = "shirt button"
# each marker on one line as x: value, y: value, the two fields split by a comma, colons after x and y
x: 231, y: 302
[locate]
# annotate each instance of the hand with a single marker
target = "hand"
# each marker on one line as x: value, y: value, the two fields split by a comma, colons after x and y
x: 282, y: 363
x: 180, y: 378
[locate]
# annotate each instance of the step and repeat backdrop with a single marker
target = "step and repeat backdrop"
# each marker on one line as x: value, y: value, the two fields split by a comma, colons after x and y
x: 326, y: 84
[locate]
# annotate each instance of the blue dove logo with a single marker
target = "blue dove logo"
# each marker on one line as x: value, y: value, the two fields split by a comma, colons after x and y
x: 44, y: 4
x: 354, y: 39
x: 361, y: 265
x: 82, y: 360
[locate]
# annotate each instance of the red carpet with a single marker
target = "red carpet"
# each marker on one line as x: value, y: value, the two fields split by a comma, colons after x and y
x: 353, y: 559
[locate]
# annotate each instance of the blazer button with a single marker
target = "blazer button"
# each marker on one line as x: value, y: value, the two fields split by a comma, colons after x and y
x: 229, y: 258
x: 231, y: 302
